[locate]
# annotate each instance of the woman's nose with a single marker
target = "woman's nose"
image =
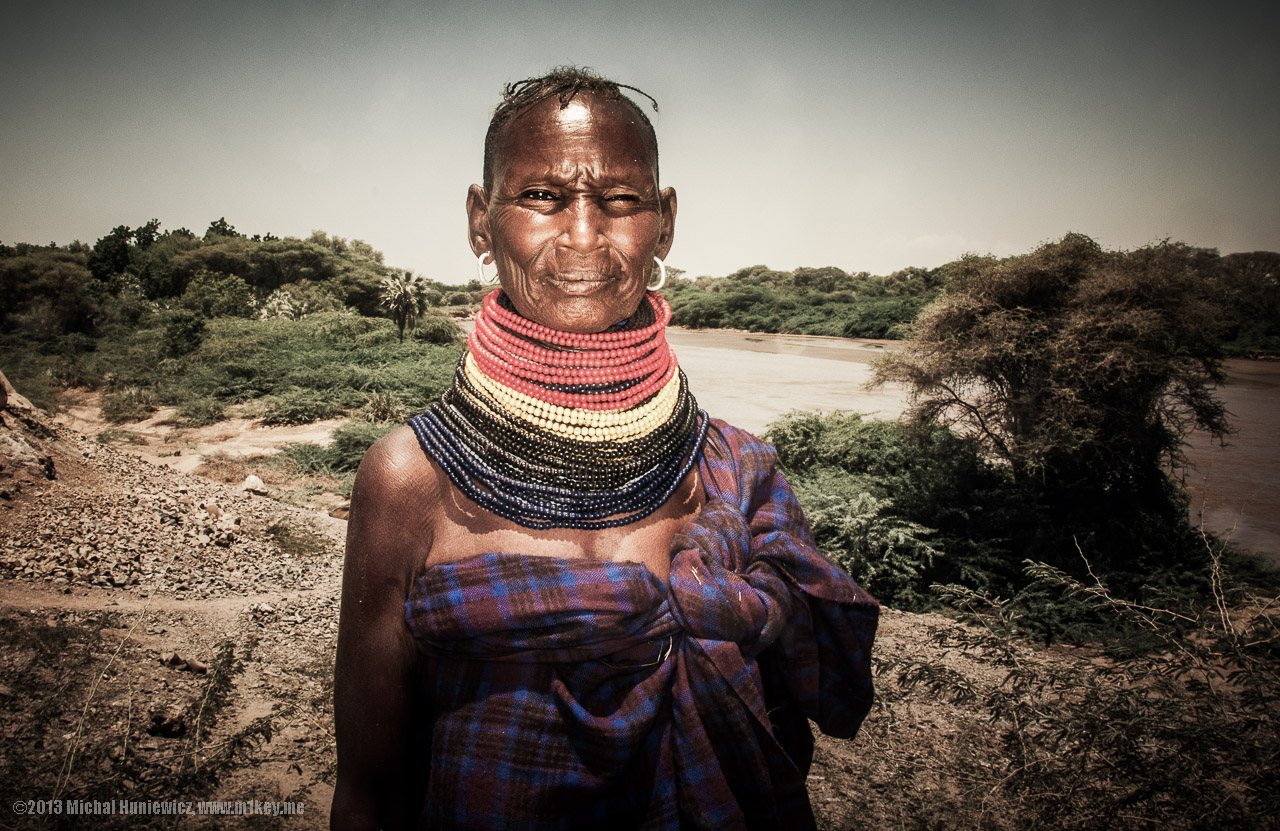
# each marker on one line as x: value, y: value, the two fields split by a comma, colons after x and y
x: 584, y: 226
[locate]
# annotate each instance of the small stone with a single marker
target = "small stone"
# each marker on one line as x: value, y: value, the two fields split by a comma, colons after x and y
x: 167, y: 723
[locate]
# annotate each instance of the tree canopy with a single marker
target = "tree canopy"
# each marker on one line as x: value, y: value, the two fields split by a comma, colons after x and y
x: 1070, y: 357
x: 405, y: 298
x: 1082, y: 370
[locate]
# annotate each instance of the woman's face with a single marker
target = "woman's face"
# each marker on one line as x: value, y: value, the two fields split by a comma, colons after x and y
x: 575, y: 216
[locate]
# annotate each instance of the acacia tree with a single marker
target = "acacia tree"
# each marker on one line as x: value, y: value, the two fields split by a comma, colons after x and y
x: 405, y: 298
x: 1081, y: 369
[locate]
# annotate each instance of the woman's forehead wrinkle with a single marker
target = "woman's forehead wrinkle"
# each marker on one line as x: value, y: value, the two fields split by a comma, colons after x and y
x: 588, y: 143
x: 586, y: 165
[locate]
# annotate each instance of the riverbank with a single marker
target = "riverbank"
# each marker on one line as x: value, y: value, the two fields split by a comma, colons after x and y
x: 750, y: 379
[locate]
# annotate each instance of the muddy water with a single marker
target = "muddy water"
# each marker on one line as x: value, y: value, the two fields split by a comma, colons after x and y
x: 750, y: 380
x: 1236, y: 487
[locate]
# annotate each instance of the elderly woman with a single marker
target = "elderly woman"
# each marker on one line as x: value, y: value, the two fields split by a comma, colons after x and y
x: 571, y: 599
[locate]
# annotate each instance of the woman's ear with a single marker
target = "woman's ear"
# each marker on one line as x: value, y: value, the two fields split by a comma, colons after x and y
x: 667, y: 202
x: 478, y: 222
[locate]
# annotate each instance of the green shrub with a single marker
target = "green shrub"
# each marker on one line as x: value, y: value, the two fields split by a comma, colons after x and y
x: 890, y: 556
x: 383, y: 406
x: 308, y: 457
x: 760, y: 300
x: 343, y: 327
x: 937, y: 511
x: 128, y: 405
x: 346, y: 448
x: 374, y: 338
x: 298, y: 406
x: 350, y: 441
x: 210, y: 294
x: 336, y: 357
x: 201, y: 412
x: 904, y: 507
x: 437, y: 329
x: 183, y: 332
x: 40, y: 388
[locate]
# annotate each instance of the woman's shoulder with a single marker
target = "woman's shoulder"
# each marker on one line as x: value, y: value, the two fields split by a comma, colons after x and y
x: 735, y: 462
x: 725, y: 440
x: 737, y: 434
x: 395, y: 463
x: 396, y: 484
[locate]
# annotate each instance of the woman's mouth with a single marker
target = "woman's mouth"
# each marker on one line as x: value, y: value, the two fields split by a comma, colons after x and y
x: 578, y: 282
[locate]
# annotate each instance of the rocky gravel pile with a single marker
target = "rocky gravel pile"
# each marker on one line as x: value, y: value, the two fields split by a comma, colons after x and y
x: 148, y: 529
x: 161, y: 636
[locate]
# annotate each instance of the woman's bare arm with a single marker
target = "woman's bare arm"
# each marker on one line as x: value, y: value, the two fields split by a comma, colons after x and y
x: 388, y: 537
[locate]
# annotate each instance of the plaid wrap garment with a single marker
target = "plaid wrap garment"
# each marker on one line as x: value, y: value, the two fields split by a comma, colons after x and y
x: 568, y: 693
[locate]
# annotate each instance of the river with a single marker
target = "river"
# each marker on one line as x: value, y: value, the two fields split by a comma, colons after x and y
x: 751, y: 379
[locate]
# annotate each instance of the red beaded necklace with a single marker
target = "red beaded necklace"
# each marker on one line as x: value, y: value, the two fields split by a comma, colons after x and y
x: 575, y: 340
x: 633, y: 365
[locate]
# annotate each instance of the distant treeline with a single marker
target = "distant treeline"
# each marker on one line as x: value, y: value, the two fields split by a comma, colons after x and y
x: 203, y: 322
x: 829, y: 301
x: 809, y: 301
x: 57, y: 292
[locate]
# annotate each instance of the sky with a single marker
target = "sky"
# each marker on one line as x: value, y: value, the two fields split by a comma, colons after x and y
x: 872, y: 136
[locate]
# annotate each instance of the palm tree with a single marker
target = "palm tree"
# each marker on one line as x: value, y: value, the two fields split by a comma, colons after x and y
x: 404, y: 298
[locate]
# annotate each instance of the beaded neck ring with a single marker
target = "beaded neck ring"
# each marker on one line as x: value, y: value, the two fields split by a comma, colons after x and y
x: 554, y: 429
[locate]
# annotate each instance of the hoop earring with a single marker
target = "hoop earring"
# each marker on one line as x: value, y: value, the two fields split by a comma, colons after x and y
x: 662, y: 276
x: 480, y: 270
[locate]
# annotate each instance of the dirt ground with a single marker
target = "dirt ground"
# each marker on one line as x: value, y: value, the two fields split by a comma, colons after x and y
x: 161, y: 441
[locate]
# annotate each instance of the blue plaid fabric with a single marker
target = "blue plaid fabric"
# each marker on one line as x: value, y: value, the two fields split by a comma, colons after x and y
x: 580, y: 694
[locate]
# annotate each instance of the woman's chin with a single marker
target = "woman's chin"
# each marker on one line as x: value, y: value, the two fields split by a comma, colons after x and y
x: 583, y: 307
x: 584, y: 316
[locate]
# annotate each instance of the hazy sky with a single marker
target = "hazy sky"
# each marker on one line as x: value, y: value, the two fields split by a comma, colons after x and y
x: 866, y: 135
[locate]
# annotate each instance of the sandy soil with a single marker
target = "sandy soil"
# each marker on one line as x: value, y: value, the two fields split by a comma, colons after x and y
x: 184, y: 449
